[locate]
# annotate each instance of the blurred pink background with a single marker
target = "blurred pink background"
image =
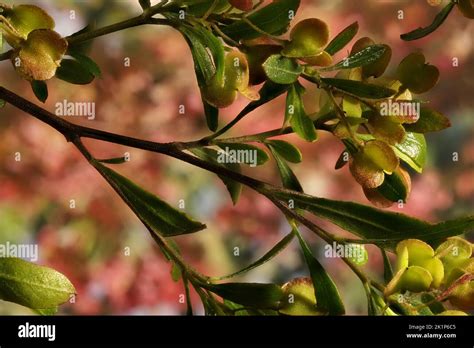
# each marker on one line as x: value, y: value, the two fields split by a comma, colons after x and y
x: 87, y: 243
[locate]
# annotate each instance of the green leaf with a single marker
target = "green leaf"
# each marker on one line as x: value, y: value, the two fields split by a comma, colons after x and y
x: 252, y: 155
x: 207, y: 51
x: 429, y: 121
x: 273, y: 19
x: 249, y: 294
x: 438, y: 20
x: 299, y: 121
x: 40, y: 89
x: 281, y: 69
x: 327, y: 295
x: 74, y: 72
x: 360, y: 89
x: 211, y: 155
x: 286, y: 150
x: 156, y: 214
x: 384, y: 228
x: 212, y: 116
x: 387, y: 267
x: 199, y: 8
x: 33, y: 286
x: 393, y: 188
x: 342, y: 39
x: 366, y: 56
x: 288, y: 178
x: 413, y: 151
x: 86, y: 62
x: 277, y: 248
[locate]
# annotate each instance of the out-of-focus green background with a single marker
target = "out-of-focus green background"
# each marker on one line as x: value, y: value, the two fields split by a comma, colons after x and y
x: 88, y: 242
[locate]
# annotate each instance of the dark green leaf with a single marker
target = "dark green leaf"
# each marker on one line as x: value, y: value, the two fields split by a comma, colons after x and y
x: 86, y: 62
x: 360, y: 89
x: 429, y: 121
x: 384, y: 228
x: 156, y: 214
x: 74, y: 72
x: 212, y: 116
x: 327, y: 295
x: 342, y: 39
x: 281, y: 69
x: 273, y: 19
x: 249, y: 294
x: 394, y: 188
x: 435, y: 306
x: 366, y: 56
x: 286, y: 150
x: 387, y: 267
x: 33, y: 286
x: 208, y: 53
x: 280, y: 246
x: 295, y: 112
x: 422, y: 32
x: 251, y: 155
x: 211, y: 155
x: 288, y: 178
x: 40, y: 89
x: 199, y: 8
x: 413, y: 151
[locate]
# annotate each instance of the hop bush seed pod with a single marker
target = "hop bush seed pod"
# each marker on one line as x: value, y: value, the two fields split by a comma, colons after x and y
x: 38, y: 49
x: 299, y: 298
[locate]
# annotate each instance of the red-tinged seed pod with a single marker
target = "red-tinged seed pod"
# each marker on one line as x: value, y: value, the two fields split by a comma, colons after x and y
x: 243, y: 5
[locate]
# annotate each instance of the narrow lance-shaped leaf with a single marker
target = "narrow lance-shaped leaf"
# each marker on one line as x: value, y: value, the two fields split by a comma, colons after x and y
x: 299, y: 120
x: 273, y: 19
x: 361, y: 58
x: 327, y: 295
x: 286, y: 150
x: 277, y: 248
x: 33, y: 286
x: 360, y: 89
x: 86, y: 62
x: 288, y: 178
x: 156, y: 214
x: 438, y: 20
x: 342, y: 39
x: 387, y: 267
x: 384, y: 228
x: 249, y: 294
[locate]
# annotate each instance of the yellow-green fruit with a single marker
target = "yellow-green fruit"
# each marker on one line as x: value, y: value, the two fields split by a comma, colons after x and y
x: 321, y: 59
x: 467, y: 8
x: 299, y: 298
x: 416, y: 75
x: 413, y: 278
x: 417, y: 250
x: 436, y: 268
x: 307, y: 39
x: 237, y: 70
x: 24, y: 19
x: 218, y: 95
x: 40, y: 55
x: 256, y: 56
x: 378, y: 67
x: 222, y: 93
